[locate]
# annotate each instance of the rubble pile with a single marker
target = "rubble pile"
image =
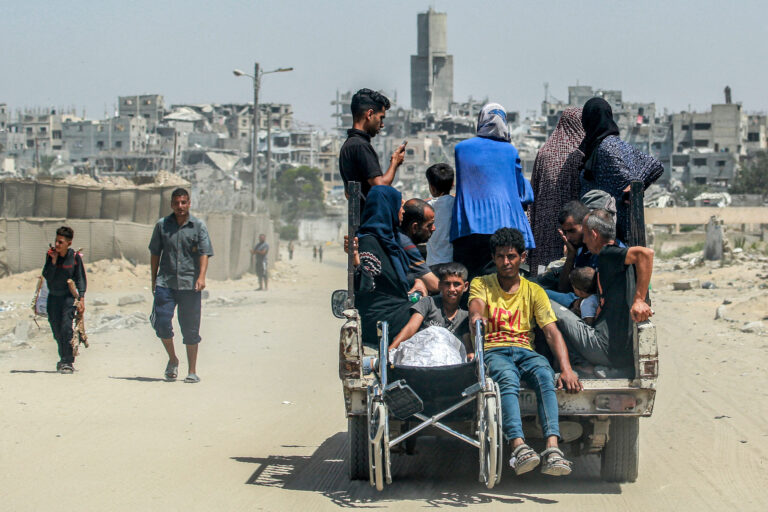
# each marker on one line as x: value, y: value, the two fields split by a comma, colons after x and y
x: 167, y: 179
x: 80, y: 179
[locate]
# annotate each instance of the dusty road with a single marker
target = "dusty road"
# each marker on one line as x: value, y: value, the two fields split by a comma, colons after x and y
x: 264, y: 430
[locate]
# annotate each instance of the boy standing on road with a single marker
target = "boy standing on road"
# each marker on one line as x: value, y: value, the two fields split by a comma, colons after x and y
x: 508, y: 305
x: 180, y: 248
x: 62, y: 264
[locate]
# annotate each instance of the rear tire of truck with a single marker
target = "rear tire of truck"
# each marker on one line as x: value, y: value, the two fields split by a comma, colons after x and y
x: 621, y: 455
x: 357, y: 435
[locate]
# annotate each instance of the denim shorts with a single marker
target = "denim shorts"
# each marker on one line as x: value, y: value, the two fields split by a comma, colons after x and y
x: 188, y: 302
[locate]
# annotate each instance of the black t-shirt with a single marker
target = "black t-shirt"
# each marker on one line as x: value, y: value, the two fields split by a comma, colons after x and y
x: 358, y: 161
x: 616, y: 285
x: 379, y: 296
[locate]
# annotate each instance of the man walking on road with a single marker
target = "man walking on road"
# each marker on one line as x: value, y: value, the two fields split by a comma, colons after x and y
x: 261, y: 250
x: 180, y: 248
x: 320, y: 253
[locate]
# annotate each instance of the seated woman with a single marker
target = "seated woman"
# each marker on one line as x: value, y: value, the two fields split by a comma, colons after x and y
x: 381, y: 286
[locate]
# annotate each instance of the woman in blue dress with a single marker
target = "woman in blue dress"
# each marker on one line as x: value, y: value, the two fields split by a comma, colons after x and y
x: 490, y: 191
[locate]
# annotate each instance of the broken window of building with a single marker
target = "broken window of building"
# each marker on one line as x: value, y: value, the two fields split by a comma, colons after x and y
x: 700, y: 162
x: 702, y: 126
x: 701, y: 143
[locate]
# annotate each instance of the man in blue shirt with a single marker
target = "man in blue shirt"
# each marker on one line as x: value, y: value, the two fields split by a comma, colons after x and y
x: 180, y: 248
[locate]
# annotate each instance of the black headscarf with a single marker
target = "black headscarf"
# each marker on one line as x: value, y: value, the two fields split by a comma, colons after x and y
x: 598, y: 123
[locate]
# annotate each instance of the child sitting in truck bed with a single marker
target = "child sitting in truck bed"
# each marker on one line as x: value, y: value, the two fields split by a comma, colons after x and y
x: 584, y: 282
x: 442, y: 310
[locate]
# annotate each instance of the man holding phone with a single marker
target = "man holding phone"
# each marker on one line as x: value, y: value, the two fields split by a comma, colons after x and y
x: 358, y: 160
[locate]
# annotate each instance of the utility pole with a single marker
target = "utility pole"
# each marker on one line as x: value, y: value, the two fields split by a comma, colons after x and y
x: 255, y: 150
x: 269, y: 152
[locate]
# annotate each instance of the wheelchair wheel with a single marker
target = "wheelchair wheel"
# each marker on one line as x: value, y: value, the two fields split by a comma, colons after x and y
x: 492, y: 444
x: 377, y: 423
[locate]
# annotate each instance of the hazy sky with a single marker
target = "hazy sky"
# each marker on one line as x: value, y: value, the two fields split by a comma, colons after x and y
x: 86, y: 53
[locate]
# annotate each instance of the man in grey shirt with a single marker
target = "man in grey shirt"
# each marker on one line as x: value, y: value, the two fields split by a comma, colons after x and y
x: 180, y: 248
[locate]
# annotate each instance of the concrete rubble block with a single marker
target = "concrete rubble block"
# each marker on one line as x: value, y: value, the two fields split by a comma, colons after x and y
x: 708, y: 285
x: 722, y: 314
x: 685, y: 284
x: 753, y: 327
x: 125, y: 300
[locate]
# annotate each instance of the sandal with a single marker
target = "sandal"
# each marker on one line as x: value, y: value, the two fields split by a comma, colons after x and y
x: 171, y: 371
x: 524, y: 459
x: 555, y: 463
x: 192, y: 378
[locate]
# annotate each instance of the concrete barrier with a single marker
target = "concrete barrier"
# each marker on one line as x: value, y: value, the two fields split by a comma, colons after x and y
x: 24, y: 241
x: 732, y: 215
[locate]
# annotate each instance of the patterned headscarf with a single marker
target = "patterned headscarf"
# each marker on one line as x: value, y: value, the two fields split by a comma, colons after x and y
x: 492, y: 123
x: 380, y: 220
x: 555, y: 181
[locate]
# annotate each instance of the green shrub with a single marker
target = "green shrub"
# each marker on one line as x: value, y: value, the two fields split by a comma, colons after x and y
x: 681, y: 251
x: 739, y: 242
x: 289, y: 232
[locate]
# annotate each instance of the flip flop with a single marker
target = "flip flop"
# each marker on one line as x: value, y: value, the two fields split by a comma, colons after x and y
x: 171, y: 371
x: 192, y: 378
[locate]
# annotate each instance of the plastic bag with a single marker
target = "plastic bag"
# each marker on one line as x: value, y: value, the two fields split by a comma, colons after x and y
x: 40, y: 300
x: 434, y: 346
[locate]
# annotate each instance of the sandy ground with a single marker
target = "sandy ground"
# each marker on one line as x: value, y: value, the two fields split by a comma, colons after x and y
x: 265, y: 429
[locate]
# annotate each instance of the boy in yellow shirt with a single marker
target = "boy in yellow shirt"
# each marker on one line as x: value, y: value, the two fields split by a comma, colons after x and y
x: 510, y: 306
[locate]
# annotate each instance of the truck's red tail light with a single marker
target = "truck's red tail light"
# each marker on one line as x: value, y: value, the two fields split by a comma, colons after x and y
x: 649, y: 369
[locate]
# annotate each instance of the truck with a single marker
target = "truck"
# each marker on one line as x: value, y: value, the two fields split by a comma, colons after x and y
x: 603, y: 419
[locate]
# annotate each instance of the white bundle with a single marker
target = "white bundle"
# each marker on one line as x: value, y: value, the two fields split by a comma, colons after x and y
x: 434, y: 346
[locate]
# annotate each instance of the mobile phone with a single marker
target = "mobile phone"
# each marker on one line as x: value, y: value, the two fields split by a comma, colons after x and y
x: 404, y: 143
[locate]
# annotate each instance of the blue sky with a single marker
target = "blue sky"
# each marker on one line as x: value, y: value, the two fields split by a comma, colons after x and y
x: 86, y: 53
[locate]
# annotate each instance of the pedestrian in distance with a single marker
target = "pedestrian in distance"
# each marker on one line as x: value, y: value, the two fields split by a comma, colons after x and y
x: 320, y: 253
x: 260, y: 251
x: 180, y: 248
x: 314, y: 253
x: 290, y: 250
x: 62, y: 264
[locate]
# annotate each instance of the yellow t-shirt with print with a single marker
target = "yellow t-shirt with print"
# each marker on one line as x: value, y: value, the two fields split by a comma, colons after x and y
x: 511, y: 316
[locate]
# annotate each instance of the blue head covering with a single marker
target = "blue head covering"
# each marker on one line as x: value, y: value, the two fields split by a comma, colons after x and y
x: 380, y: 219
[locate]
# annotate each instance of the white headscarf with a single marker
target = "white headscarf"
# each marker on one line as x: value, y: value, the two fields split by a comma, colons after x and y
x: 492, y: 123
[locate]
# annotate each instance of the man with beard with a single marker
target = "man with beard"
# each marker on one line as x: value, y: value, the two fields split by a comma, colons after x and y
x: 416, y: 228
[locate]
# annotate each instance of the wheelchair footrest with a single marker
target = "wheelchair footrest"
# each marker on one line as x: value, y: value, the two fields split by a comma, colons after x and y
x: 402, y: 400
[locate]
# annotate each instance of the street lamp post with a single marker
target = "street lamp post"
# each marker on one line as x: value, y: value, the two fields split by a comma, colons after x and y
x: 256, y: 77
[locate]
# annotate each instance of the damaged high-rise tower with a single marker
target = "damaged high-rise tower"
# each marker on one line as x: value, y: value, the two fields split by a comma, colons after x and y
x: 432, y: 67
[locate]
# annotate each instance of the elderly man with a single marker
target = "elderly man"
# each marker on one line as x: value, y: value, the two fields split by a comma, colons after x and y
x: 180, y: 248
x: 623, y: 275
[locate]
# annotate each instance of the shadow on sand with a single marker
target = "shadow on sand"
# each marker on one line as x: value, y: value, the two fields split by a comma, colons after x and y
x: 444, y: 472
x: 141, y: 379
x: 33, y: 371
